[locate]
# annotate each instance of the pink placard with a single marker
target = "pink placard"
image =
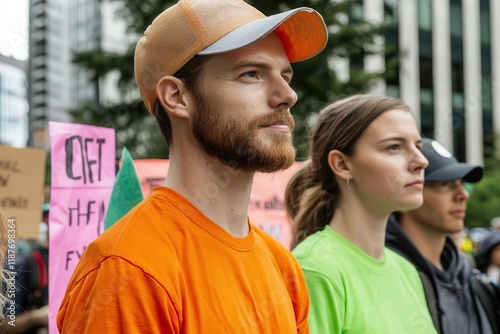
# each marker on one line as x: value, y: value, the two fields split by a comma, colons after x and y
x: 151, y: 173
x: 82, y: 176
x: 267, y: 204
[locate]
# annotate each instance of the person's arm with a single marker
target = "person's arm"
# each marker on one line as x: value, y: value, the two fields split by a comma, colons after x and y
x: 297, y: 287
x: 118, y: 297
x: 327, y: 308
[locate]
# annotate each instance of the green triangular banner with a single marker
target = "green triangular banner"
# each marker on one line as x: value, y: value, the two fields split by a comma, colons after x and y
x: 126, y: 193
x: 469, y: 187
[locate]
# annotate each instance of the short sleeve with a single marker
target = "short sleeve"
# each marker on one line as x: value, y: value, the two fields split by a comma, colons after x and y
x: 117, y: 297
x: 327, y: 307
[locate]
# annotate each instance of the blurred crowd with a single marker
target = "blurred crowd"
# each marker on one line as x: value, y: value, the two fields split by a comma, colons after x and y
x: 481, y: 247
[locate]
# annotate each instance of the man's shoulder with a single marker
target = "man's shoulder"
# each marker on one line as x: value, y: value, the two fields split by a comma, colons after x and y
x: 274, y: 245
x: 284, y: 258
x: 401, y: 258
x: 489, y: 297
x: 151, y: 220
x: 143, y: 238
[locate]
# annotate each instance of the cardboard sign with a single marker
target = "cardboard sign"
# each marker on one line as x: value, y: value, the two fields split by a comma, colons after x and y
x: 83, y: 172
x: 266, y: 209
x: 22, y: 174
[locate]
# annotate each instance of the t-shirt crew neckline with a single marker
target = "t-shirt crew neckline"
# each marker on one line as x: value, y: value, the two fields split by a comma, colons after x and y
x: 351, y: 248
x: 243, y: 244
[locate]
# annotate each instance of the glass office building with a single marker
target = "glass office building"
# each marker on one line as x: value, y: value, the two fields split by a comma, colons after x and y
x: 58, y: 29
x: 13, y: 102
x: 449, y: 69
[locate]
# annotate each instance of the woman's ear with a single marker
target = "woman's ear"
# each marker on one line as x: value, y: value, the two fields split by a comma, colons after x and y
x: 339, y: 164
x: 171, y: 92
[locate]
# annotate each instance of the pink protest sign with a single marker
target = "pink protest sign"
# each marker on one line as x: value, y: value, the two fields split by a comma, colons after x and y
x: 151, y: 173
x: 82, y: 176
x: 267, y: 204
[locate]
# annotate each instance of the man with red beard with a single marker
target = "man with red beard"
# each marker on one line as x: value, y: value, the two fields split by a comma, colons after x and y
x: 216, y: 75
x: 457, y: 300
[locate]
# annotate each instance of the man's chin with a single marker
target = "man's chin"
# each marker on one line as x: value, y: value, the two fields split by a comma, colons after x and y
x: 264, y: 163
x: 264, y: 157
x: 275, y: 169
x: 278, y: 162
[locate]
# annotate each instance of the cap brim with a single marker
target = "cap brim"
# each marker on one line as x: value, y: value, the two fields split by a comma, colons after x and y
x: 302, y: 28
x: 487, y: 245
x: 467, y: 172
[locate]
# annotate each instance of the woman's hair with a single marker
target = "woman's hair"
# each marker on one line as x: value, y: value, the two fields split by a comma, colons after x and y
x: 190, y: 74
x: 298, y: 183
x: 338, y: 127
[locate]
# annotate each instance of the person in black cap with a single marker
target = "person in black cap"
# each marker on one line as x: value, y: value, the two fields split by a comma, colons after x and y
x: 488, y: 256
x: 422, y: 236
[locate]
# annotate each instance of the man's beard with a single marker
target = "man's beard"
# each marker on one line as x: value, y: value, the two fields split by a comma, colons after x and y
x: 228, y: 139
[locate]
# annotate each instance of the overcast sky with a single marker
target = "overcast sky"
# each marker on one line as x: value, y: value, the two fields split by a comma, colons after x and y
x: 14, y: 28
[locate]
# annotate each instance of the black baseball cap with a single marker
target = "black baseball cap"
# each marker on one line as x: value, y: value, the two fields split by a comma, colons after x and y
x: 487, y: 245
x: 444, y: 167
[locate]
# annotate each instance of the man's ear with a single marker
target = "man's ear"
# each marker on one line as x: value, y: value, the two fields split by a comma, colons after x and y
x: 339, y: 164
x: 171, y: 92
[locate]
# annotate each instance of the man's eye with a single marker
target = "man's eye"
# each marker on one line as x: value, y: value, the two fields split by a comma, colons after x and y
x: 250, y: 74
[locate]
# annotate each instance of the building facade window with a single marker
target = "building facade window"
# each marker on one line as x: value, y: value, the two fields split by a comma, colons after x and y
x: 457, y: 79
x: 424, y: 14
x: 426, y: 68
x: 13, y: 106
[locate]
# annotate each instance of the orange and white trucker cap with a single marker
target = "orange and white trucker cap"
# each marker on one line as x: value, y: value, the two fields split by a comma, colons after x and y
x: 206, y: 27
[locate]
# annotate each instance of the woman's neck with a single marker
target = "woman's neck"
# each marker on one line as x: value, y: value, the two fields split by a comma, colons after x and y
x: 363, y: 228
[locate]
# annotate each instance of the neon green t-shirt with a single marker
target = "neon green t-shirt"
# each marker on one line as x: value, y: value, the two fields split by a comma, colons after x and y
x: 351, y: 292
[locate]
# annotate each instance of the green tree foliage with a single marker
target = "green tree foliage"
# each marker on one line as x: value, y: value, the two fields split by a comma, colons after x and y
x: 491, y: 152
x: 135, y: 128
x: 315, y: 82
x: 484, y: 203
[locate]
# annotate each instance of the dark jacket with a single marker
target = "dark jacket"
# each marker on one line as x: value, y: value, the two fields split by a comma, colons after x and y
x: 32, y: 283
x: 453, y: 304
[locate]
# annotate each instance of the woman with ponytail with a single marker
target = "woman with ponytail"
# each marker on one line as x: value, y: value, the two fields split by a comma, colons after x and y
x: 366, y: 163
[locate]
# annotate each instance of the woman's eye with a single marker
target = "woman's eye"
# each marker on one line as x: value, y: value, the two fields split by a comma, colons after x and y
x: 394, y: 147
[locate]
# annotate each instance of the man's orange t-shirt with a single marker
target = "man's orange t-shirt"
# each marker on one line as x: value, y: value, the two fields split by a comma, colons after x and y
x: 166, y: 268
